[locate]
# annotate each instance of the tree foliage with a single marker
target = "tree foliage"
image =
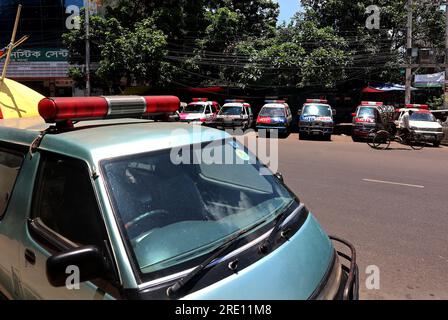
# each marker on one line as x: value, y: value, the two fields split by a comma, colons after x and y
x: 240, y: 43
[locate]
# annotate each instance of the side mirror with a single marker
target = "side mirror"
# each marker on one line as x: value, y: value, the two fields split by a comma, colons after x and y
x: 334, y: 112
x: 354, y: 114
x: 279, y: 176
x: 89, y: 260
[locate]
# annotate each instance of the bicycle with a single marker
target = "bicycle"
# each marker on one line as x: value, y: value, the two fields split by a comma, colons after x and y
x: 382, y: 139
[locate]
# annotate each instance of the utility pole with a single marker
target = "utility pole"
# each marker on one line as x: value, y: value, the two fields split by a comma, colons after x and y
x: 409, y: 53
x: 87, y: 22
x: 445, y: 86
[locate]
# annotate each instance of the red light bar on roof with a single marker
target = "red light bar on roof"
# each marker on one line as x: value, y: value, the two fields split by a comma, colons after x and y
x: 200, y: 99
x: 235, y: 101
x: 371, y: 103
x: 275, y: 101
x: 418, y: 106
x: 90, y: 108
x: 316, y: 101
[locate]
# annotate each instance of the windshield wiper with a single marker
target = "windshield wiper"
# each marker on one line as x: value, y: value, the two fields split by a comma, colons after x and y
x: 175, y: 288
x: 266, y: 244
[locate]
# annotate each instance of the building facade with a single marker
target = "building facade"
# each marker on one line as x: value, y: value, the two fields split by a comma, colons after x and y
x: 42, y: 61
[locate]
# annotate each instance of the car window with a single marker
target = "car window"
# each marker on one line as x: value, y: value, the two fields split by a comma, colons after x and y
x: 66, y: 202
x: 272, y: 112
x: 160, y: 201
x: 10, y: 165
x: 230, y: 110
x: 194, y: 108
x: 316, y: 110
x: 422, y: 116
x: 366, y: 112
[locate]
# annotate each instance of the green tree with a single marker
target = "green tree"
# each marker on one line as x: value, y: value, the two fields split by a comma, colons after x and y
x: 377, y: 54
x: 135, y: 54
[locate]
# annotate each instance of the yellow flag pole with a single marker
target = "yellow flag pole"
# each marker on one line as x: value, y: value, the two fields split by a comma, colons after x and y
x: 11, y: 45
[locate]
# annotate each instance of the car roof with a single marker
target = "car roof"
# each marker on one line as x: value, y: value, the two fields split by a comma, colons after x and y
x: 234, y: 104
x: 103, y: 139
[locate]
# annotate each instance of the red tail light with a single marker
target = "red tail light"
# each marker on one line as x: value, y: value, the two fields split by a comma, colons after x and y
x: 1, y: 114
x: 90, y: 108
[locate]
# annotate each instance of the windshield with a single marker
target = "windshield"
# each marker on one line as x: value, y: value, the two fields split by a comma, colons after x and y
x: 173, y: 211
x: 420, y: 116
x: 194, y: 108
x: 317, y: 110
x: 272, y: 112
x: 366, y: 112
x: 231, y: 111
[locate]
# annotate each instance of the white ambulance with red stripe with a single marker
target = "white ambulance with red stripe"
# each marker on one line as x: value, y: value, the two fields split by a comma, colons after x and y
x: 422, y: 122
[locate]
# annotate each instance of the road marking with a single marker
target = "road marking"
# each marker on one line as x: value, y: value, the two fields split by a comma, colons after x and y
x: 394, y: 183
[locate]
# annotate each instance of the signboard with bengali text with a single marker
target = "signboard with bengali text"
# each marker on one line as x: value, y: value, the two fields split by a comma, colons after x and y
x: 40, y: 54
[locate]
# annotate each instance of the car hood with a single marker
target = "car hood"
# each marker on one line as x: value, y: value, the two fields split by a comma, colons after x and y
x: 291, y: 272
x: 190, y: 116
x: 425, y: 124
x: 222, y: 116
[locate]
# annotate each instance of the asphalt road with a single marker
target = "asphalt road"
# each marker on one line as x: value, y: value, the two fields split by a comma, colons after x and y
x: 400, y: 228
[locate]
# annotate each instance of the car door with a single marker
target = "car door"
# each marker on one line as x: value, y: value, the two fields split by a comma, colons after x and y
x: 11, y: 161
x: 208, y: 112
x: 64, y: 215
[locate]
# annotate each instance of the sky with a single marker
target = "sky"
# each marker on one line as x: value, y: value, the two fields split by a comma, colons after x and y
x: 287, y: 9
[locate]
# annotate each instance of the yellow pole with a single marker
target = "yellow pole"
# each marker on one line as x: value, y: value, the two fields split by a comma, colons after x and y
x: 11, y: 45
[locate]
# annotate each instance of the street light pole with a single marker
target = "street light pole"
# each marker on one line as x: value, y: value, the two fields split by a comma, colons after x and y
x: 87, y: 22
x: 409, y: 53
